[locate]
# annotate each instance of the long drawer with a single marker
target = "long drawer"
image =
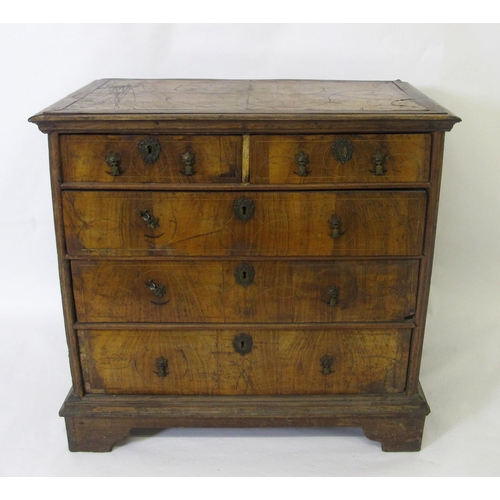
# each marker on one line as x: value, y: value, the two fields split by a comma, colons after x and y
x: 241, y: 292
x: 232, y: 362
x: 342, y: 223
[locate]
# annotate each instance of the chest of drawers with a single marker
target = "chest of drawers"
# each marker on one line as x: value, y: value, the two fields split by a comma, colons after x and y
x: 245, y: 254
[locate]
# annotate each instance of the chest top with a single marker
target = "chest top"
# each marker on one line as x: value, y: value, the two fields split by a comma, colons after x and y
x: 380, y: 103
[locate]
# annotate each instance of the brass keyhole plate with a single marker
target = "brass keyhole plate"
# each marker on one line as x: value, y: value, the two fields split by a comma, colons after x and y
x: 244, y: 274
x: 150, y: 149
x: 242, y: 343
x: 343, y: 150
x: 244, y: 209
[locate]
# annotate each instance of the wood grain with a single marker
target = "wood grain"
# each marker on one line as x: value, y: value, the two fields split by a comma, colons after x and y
x: 125, y: 362
x: 151, y: 222
x: 427, y: 261
x: 217, y: 159
x: 406, y: 158
x: 97, y: 421
x: 342, y: 123
x: 385, y: 223
x: 207, y: 291
x: 244, y: 106
x: 162, y: 186
x: 280, y: 362
x: 178, y: 96
x: 68, y: 304
x: 371, y: 362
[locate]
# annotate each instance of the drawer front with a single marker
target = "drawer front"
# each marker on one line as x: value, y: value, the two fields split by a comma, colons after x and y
x: 242, y: 292
x: 338, y: 159
x: 170, y: 159
x: 232, y: 362
x: 344, y: 223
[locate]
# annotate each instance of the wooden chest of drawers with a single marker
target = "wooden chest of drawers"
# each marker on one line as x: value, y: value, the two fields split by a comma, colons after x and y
x: 245, y: 253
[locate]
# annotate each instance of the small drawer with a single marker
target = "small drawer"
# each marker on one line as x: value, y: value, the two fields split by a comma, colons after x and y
x: 337, y: 159
x: 243, y: 292
x: 245, y: 362
x: 343, y: 223
x: 141, y: 159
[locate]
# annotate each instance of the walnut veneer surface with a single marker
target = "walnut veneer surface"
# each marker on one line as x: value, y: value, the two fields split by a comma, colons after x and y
x: 245, y: 253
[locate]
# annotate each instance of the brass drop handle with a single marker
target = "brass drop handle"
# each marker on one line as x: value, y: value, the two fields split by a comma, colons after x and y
x: 244, y: 209
x: 333, y: 293
x: 302, y: 160
x: 161, y: 366
x: 378, y: 160
x: 187, y: 160
x: 151, y: 222
x: 113, y: 160
x: 149, y: 149
x: 326, y: 364
x: 158, y: 290
x: 336, y: 224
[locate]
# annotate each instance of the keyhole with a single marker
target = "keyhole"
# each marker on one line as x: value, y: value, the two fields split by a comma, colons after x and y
x: 244, y: 274
x: 242, y: 343
x: 244, y: 210
x: 150, y: 149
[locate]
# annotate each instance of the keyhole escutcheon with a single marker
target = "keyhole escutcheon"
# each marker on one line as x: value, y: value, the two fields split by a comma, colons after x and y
x: 244, y: 274
x: 343, y: 150
x: 244, y: 209
x: 149, y: 149
x: 242, y: 343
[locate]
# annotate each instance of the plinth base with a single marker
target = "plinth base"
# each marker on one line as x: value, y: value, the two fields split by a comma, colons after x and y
x: 97, y: 422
